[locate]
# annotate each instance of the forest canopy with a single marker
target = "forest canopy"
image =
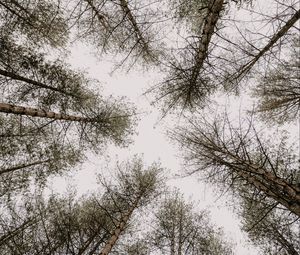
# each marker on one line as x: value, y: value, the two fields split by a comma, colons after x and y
x: 205, y: 55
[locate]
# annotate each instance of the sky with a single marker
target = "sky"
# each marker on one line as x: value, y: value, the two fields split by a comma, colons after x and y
x: 153, y: 143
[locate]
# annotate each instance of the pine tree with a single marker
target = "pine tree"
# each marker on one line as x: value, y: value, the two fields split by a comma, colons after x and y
x: 136, y: 187
x: 239, y: 156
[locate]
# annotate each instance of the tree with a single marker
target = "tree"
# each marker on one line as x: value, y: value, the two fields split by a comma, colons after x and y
x: 41, y: 22
x: 220, y: 52
x: 135, y: 188
x: 178, y: 229
x: 243, y: 59
x: 66, y: 118
x: 238, y: 156
x: 188, y: 82
x: 27, y: 77
x: 58, y: 225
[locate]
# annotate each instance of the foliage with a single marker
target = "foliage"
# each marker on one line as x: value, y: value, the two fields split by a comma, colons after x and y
x: 178, y: 229
x: 41, y: 22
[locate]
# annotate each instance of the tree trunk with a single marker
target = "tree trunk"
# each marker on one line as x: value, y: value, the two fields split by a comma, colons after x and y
x: 138, y: 33
x: 284, y: 193
x: 208, y: 30
x: 101, y: 18
x: 284, y: 242
x: 271, y: 43
x: 16, y: 77
x: 8, y: 170
x: 88, y: 242
x: 278, y: 188
x: 33, y: 112
x: 120, y: 228
x: 172, y: 237
x: 14, y: 232
x: 180, y: 237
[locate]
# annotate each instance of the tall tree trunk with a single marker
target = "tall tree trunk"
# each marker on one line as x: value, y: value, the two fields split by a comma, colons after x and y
x: 138, y: 33
x: 284, y: 242
x: 270, y: 44
x: 119, y: 229
x: 15, y: 168
x: 16, y: 14
x: 209, y: 26
x: 277, y: 188
x: 88, y: 242
x: 180, y: 237
x: 101, y: 18
x: 17, y: 77
x: 172, y: 248
x: 4, y: 238
x: 33, y: 112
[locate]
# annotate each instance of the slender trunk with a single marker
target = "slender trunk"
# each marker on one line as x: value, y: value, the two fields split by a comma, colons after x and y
x: 207, y: 32
x: 16, y: 77
x: 120, y: 228
x: 284, y: 242
x: 96, y: 246
x: 172, y: 248
x: 33, y: 112
x: 244, y: 69
x: 180, y: 237
x: 14, y: 232
x: 88, y: 242
x: 100, y: 17
x: 138, y: 33
x: 82, y: 249
x: 16, y: 14
x: 15, y: 168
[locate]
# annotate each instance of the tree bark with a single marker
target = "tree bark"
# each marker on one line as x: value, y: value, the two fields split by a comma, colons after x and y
x: 271, y: 43
x: 14, y: 232
x: 120, y: 228
x: 100, y: 17
x: 12, y: 169
x: 16, y: 77
x: 33, y: 112
x: 289, y: 247
x: 138, y: 33
x: 88, y: 242
x: 208, y: 30
x: 277, y: 188
x: 180, y: 237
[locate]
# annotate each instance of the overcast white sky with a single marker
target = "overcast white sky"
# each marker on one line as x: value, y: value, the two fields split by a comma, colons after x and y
x: 152, y: 143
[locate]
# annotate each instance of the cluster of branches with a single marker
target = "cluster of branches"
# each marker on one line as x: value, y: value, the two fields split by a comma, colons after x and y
x: 97, y: 223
